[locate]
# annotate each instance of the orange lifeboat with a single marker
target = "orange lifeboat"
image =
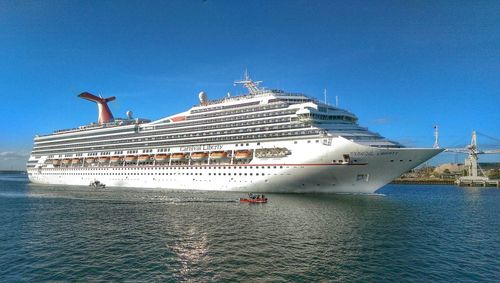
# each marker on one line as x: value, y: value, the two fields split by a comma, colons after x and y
x: 56, y: 162
x: 178, y: 156
x: 66, y: 161
x: 198, y: 155
x: 243, y: 154
x: 103, y: 159
x: 144, y: 157
x: 115, y: 159
x: 89, y: 160
x: 218, y: 154
x: 130, y: 158
x: 161, y: 157
x: 75, y: 161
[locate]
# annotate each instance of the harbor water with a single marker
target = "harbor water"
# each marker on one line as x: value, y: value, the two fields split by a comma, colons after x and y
x: 404, y: 233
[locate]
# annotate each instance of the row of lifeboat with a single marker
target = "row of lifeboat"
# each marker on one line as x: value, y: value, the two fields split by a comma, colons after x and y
x: 88, y: 160
x: 240, y: 154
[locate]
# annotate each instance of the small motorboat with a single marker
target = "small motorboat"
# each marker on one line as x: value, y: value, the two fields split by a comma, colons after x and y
x: 254, y: 199
x: 97, y: 185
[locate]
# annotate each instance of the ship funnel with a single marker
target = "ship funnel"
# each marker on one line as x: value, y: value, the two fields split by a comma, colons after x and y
x: 105, y: 114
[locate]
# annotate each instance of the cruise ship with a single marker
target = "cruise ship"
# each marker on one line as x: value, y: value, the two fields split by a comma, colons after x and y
x: 267, y: 140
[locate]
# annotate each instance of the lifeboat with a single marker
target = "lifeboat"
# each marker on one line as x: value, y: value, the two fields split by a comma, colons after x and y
x: 144, y: 157
x: 115, y: 159
x: 254, y: 199
x: 198, y: 155
x: 56, y: 161
x: 130, y: 158
x: 103, y: 159
x: 89, y: 160
x: 218, y: 154
x: 161, y: 157
x: 243, y: 154
x: 66, y: 161
x: 178, y: 156
x: 48, y: 161
x: 75, y: 161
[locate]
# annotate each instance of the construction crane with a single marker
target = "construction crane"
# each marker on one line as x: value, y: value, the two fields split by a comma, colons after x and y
x: 471, y: 163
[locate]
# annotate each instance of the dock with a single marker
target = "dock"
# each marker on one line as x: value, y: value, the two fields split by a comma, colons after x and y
x: 477, y: 182
x: 462, y: 182
x: 423, y: 181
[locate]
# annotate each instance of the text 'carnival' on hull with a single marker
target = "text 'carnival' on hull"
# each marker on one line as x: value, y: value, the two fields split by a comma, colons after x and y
x: 265, y: 141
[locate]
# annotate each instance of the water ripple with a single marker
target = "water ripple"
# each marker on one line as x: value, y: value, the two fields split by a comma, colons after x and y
x: 405, y: 233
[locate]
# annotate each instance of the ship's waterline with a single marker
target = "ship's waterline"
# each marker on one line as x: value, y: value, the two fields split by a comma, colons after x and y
x: 267, y: 140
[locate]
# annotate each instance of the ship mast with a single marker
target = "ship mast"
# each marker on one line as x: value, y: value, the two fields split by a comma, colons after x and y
x: 436, y: 135
x: 252, y: 86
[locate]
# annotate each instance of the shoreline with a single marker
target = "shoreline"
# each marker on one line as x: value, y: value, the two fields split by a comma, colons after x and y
x: 423, y: 182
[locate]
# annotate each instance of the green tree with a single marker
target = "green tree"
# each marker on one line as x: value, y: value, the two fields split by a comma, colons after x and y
x: 494, y: 174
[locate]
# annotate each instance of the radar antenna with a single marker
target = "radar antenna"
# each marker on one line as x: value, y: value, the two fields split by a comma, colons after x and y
x: 252, y: 86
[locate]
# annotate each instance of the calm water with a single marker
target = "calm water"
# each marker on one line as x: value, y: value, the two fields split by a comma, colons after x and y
x: 410, y: 233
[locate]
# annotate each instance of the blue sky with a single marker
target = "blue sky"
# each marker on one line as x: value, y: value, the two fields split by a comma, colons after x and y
x: 401, y: 66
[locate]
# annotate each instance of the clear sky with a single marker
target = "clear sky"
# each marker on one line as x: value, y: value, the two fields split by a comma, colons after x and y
x: 401, y: 66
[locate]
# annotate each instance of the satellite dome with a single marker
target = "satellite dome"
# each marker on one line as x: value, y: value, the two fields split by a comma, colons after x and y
x: 129, y: 114
x: 203, y: 97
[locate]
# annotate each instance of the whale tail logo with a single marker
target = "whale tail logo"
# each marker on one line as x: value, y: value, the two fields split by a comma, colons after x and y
x: 104, y: 112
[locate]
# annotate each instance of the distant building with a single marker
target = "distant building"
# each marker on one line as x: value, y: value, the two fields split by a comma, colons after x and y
x: 448, y: 168
x: 453, y: 170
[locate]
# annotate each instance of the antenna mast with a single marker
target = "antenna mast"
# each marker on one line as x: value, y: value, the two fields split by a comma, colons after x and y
x: 253, y: 87
x: 436, y: 135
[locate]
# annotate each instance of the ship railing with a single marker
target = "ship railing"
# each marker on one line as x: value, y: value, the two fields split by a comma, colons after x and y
x: 260, y: 93
x: 118, y: 122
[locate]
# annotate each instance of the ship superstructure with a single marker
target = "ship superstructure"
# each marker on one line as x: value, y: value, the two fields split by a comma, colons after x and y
x: 267, y: 140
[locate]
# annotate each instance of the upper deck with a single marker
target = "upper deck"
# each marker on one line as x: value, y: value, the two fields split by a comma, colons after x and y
x: 119, y: 122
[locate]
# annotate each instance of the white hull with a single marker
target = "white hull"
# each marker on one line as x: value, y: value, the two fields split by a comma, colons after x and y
x: 312, y: 167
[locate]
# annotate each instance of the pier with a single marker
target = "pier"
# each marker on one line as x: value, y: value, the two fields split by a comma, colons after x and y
x: 423, y: 181
x: 462, y: 182
x: 477, y: 182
